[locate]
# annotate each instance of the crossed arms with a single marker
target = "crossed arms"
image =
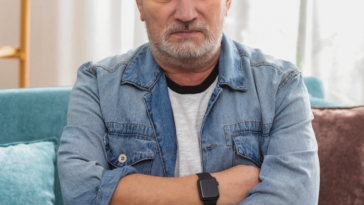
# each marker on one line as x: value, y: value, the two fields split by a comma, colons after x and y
x: 289, y: 173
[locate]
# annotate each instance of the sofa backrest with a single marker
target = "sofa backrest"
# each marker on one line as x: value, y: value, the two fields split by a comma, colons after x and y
x: 341, y: 154
x: 34, y: 113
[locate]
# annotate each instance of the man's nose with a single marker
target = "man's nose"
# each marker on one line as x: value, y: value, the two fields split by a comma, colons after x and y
x: 185, y: 10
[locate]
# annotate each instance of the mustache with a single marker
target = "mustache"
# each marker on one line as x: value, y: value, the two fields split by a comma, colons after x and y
x: 173, y: 28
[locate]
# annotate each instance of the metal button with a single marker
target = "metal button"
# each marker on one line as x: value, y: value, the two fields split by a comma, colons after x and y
x: 210, y: 147
x: 122, y: 158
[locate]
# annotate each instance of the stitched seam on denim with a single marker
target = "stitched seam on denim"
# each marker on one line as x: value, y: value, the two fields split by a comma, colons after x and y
x: 92, y: 71
x: 225, y: 137
x: 241, y: 65
x: 155, y: 134
x: 244, y: 156
x: 242, y: 133
x: 288, y: 81
x: 248, y: 122
x: 235, y: 88
x: 88, y: 64
x: 111, y: 70
x: 202, y: 161
x: 262, y: 63
x: 152, y: 86
x: 116, y: 166
x: 136, y: 85
x: 132, y: 135
x: 89, y: 68
x: 107, y: 156
x: 145, y: 158
x: 145, y: 88
x: 128, y: 124
x: 204, y: 118
x: 263, y: 135
x: 208, y: 111
x: 134, y: 57
x: 234, y: 154
x: 150, y: 166
x: 260, y: 133
x: 284, y: 81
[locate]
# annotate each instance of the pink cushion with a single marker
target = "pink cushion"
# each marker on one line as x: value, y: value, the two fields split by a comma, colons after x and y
x: 340, y: 137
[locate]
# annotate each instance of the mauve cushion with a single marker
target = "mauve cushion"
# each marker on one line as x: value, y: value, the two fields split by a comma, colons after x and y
x: 340, y: 137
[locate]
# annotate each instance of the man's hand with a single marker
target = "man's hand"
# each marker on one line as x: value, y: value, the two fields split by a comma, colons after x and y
x: 235, y: 183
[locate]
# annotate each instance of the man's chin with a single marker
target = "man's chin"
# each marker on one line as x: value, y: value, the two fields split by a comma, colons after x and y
x: 190, y: 51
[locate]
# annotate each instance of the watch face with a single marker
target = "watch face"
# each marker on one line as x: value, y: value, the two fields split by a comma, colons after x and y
x: 209, y: 188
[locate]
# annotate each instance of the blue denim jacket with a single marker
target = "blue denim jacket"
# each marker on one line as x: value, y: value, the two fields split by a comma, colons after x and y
x: 259, y: 114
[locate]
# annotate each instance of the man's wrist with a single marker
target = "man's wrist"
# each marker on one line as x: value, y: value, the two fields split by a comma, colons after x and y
x: 218, y: 177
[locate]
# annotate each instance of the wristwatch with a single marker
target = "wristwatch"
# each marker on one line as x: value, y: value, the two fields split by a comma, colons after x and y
x: 208, y: 188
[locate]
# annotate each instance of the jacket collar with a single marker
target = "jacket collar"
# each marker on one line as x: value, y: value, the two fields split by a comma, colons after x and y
x: 143, y: 71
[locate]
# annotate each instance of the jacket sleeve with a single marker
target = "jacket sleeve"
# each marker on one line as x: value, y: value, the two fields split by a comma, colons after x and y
x: 290, y: 171
x: 84, y: 172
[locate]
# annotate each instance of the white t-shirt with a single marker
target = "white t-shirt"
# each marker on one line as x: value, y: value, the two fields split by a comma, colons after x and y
x: 188, y: 112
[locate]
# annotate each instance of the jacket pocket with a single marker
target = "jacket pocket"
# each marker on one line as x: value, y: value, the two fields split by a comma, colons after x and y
x: 131, y: 145
x: 248, y: 142
x: 246, y: 146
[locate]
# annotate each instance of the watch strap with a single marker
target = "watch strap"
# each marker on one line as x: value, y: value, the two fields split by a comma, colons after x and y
x: 210, y: 202
x: 204, y: 175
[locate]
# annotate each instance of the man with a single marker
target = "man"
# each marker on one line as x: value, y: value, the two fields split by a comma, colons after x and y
x: 143, y: 126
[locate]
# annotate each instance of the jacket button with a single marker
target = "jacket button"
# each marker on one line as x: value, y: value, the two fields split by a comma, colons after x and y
x: 122, y: 158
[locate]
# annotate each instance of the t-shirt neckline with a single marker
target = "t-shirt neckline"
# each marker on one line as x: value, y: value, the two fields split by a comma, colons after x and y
x: 196, y: 88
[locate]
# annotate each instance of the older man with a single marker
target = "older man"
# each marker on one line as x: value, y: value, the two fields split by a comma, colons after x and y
x: 190, y: 118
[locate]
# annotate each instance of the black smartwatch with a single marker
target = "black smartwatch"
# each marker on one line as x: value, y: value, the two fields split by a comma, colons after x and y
x: 207, y: 187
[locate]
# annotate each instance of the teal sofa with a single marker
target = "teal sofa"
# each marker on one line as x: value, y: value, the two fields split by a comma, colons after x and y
x: 38, y: 113
x: 33, y: 114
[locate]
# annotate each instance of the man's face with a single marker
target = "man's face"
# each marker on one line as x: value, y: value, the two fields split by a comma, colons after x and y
x: 186, y: 29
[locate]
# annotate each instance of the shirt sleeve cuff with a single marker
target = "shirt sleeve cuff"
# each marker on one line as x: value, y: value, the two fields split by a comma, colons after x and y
x: 109, y: 181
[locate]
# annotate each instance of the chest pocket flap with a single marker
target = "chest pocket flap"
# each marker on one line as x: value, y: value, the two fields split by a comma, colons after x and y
x: 248, y: 140
x: 129, y: 144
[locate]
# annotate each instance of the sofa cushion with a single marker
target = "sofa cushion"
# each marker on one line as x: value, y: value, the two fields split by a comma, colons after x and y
x: 316, y: 93
x: 341, y: 152
x: 27, y: 172
x: 32, y: 114
x: 314, y: 87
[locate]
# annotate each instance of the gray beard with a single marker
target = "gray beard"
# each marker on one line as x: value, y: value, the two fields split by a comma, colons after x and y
x: 186, y: 55
x: 187, y: 60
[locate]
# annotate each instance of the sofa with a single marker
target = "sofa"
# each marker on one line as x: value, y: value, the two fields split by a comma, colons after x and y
x: 34, y: 114
x: 36, y: 117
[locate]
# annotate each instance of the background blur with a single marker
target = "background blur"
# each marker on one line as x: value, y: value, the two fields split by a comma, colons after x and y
x: 323, y: 38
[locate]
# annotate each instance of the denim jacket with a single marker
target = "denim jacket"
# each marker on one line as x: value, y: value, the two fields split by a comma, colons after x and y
x: 259, y: 114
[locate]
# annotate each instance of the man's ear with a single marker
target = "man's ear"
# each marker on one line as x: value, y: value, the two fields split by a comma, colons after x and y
x: 139, y: 4
x: 228, y: 5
